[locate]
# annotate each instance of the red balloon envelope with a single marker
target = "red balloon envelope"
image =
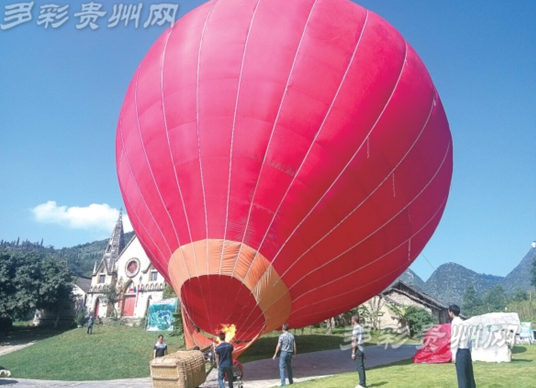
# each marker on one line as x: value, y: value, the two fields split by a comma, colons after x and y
x: 281, y: 161
x: 436, y: 346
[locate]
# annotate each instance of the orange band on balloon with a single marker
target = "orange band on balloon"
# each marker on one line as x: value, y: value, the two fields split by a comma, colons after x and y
x: 241, y: 262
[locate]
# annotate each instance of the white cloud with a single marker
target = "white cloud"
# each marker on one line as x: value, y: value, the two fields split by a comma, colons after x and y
x: 95, y: 217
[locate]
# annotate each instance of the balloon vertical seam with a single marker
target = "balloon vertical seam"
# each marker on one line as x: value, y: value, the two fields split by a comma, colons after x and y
x: 145, y: 154
x: 351, y: 159
x: 164, y: 116
x: 126, y: 197
x: 276, y: 119
x: 370, y: 194
x: 139, y: 192
x: 343, y: 79
x: 199, y: 145
x: 439, y: 209
x: 386, y: 223
x: 140, y: 134
x: 166, y: 130
x: 352, y: 291
x: 232, y: 135
x: 441, y: 206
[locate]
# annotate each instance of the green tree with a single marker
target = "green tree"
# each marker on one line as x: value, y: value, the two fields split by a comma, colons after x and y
x: 30, y: 281
x: 472, y: 303
x: 416, y: 319
x: 110, y: 296
x: 168, y: 292
x: 400, y: 314
x: 419, y: 320
x: 520, y: 295
x: 494, y: 300
x: 372, y: 311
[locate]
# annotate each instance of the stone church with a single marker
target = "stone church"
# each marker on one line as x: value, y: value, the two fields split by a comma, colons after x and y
x: 126, y: 267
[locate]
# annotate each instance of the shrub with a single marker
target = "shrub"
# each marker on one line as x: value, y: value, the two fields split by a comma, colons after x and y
x: 416, y: 319
x: 80, y: 318
x: 419, y: 320
x: 6, y: 324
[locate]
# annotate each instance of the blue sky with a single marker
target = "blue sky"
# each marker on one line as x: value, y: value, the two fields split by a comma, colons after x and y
x: 61, y: 90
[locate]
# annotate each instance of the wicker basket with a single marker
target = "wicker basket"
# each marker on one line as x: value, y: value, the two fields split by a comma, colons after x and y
x: 179, y: 370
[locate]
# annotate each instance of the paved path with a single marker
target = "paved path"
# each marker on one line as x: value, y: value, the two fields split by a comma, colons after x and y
x: 258, y: 374
x: 12, y: 346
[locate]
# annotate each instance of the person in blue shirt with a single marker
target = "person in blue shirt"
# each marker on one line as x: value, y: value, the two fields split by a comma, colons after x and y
x: 224, y: 359
x: 287, y: 345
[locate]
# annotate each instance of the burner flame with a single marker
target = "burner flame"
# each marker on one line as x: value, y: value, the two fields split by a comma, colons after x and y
x: 229, y: 330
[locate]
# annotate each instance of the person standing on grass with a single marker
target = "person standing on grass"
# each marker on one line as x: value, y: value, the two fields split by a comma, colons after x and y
x: 459, y: 346
x: 358, y: 350
x: 224, y: 359
x: 90, y: 324
x: 160, y: 348
x: 287, y: 345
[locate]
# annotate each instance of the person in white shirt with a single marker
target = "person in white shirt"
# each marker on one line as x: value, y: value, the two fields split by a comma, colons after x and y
x: 358, y: 350
x: 459, y: 346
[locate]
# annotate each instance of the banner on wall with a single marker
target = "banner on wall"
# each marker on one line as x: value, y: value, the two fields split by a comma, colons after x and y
x: 160, y: 315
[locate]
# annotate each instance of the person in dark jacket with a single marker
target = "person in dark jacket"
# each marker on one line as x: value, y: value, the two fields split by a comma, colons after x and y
x: 90, y: 322
x: 224, y: 359
x: 160, y: 348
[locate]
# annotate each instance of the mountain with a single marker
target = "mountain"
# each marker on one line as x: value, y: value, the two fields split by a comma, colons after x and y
x: 411, y: 278
x: 449, y: 281
x: 520, y: 275
x: 80, y: 259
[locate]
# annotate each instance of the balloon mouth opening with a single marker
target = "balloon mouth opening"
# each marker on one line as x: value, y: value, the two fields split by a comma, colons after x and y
x: 220, y: 303
x: 223, y: 283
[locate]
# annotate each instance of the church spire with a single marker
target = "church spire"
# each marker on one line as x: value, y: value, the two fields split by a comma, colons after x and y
x: 115, y: 245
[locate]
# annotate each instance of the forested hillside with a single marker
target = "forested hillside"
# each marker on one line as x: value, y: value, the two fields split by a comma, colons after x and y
x: 80, y: 259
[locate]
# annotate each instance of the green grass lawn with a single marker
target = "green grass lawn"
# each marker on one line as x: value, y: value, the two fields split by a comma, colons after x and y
x: 112, y: 352
x: 118, y: 352
x: 520, y: 373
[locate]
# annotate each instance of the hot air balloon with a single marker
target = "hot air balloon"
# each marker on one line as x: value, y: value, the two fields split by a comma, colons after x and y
x: 281, y: 161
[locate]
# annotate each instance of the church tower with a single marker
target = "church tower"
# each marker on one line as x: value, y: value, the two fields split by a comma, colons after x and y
x: 126, y: 268
x: 115, y: 246
x: 105, y: 274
